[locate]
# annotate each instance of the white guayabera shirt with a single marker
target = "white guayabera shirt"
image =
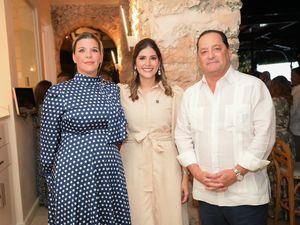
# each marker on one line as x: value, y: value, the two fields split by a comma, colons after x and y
x: 234, y: 125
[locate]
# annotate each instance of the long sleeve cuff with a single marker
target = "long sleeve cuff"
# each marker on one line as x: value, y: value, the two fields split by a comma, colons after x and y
x: 187, y: 158
x: 252, y: 163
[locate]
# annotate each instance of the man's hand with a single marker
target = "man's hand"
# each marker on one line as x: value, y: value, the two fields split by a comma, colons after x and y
x: 212, y: 182
x: 209, y: 180
x: 218, y: 182
x: 225, y: 177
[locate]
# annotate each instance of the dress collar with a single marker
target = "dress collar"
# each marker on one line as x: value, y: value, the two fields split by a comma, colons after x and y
x: 160, y: 85
x: 87, y: 79
x: 157, y: 85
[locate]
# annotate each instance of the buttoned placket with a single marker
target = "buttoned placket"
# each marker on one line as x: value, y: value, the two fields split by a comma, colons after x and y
x: 214, y: 135
x: 148, y: 141
x: 146, y: 160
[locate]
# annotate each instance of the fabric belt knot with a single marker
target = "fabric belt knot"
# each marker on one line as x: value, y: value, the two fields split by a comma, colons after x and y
x: 154, y: 138
x: 152, y: 143
x: 140, y: 136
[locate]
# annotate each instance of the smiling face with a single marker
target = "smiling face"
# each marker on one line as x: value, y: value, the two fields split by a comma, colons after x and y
x: 147, y: 63
x: 214, y: 56
x: 87, y: 56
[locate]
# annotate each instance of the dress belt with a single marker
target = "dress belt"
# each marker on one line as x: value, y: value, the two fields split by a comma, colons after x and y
x: 154, y: 138
x: 148, y: 141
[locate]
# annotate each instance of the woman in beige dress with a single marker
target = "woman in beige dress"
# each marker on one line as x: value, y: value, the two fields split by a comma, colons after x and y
x: 157, y: 185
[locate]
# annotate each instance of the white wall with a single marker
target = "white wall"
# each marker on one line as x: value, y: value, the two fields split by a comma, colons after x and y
x: 7, y: 103
x: 20, y: 131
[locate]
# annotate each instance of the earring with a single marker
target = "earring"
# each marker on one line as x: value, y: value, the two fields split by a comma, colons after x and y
x: 159, y: 72
x: 135, y: 72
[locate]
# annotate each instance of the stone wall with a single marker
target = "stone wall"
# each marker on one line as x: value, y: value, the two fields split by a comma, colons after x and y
x: 176, y: 25
x: 68, y: 17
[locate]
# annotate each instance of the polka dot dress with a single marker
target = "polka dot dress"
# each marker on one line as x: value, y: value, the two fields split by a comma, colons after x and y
x: 82, y: 121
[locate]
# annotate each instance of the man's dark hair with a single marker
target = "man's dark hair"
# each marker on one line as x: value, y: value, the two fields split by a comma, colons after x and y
x: 223, y: 36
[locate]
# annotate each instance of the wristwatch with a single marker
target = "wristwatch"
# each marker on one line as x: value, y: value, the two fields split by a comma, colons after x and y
x: 238, y: 174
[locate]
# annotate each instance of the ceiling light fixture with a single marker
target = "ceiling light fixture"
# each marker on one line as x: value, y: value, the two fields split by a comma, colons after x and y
x: 131, y: 40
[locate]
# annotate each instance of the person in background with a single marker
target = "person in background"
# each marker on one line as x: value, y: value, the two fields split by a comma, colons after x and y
x: 157, y: 185
x: 62, y: 77
x: 105, y: 75
x: 295, y: 110
x: 40, y: 91
x: 225, y: 132
x: 280, y: 90
x: 256, y: 73
x: 265, y: 77
x: 41, y: 185
x: 82, y: 124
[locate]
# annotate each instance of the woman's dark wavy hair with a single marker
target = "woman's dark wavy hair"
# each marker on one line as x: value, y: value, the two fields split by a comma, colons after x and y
x: 296, y: 70
x: 40, y: 91
x: 281, y: 87
x: 134, y: 81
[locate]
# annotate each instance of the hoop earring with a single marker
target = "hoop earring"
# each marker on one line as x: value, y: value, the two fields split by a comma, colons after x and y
x: 159, y: 72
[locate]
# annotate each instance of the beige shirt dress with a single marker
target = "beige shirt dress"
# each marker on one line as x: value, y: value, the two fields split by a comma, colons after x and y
x: 153, y: 174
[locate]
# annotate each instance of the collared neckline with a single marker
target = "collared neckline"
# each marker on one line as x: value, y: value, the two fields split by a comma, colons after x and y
x: 228, y: 76
x: 87, y: 79
x: 157, y: 85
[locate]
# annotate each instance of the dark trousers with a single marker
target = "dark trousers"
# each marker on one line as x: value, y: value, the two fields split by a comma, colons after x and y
x: 233, y: 215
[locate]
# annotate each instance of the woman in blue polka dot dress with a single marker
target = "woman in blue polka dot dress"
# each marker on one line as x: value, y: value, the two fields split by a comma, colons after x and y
x: 82, y: 123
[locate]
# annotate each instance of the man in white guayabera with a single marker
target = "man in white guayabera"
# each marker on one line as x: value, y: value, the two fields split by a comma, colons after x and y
x: 225, y: 131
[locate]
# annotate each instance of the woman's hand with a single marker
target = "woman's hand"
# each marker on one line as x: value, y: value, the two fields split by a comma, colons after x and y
x: 184, y: 188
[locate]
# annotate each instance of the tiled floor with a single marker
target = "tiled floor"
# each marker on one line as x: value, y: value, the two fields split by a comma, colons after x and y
x: 41, y: 217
